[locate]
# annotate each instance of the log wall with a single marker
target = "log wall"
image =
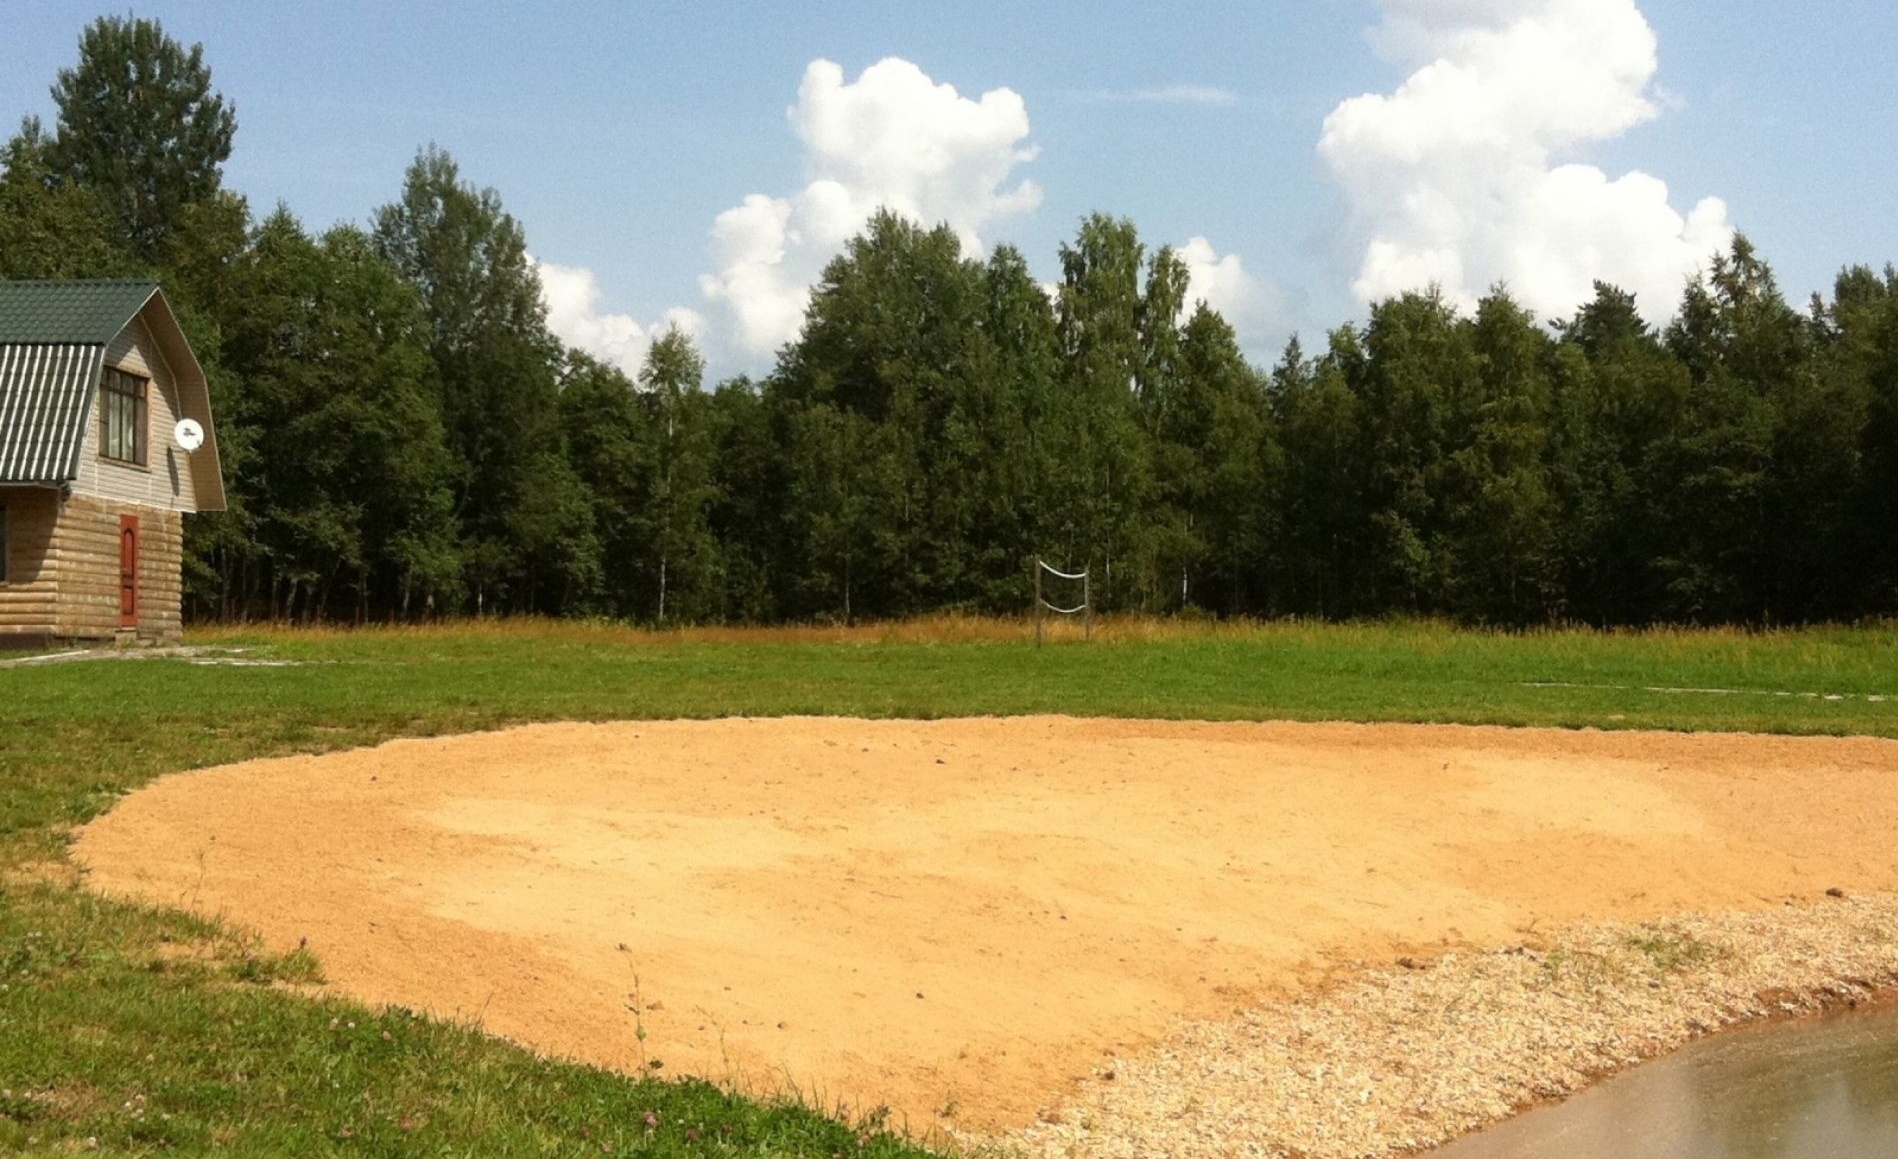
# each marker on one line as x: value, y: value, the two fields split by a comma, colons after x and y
x: 62, y: 573
x: 29, y: 591
x: 85, y: 551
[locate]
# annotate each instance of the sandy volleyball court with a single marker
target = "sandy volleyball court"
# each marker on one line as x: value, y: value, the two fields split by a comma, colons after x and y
x: 960, y: 918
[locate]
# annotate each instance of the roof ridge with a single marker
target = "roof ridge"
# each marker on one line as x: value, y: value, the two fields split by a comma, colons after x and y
x: 79, y: 282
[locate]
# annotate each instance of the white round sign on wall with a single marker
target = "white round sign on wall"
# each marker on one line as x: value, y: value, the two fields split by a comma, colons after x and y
x: 189, y: 433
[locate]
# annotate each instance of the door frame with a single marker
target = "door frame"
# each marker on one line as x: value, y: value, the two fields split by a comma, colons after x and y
x: 128, y: 571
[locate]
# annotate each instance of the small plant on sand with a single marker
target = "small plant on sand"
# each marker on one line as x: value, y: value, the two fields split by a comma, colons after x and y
x: 299, y: 967
x: 636, y: 1003
x: 1577, y: 966
x: 1671, y: 949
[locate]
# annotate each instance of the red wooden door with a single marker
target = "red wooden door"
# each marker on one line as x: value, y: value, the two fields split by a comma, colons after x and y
x: 128, y: 571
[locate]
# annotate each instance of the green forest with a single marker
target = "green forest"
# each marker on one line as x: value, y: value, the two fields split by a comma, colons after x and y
x: 403, y: 438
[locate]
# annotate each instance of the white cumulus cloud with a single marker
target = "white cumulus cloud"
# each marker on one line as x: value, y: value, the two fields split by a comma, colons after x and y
x: 572, y: 297
x: 1461, y: 176
x: 1250, y: 303
x: 892, y: 138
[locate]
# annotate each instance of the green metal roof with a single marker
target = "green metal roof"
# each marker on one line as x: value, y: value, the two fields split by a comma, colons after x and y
x: 89, y: 313
x: 44, y: 392
x: 53, y: 337
x: 53, y: 341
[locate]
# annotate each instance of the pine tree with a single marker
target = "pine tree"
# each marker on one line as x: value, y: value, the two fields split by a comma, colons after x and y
x: 529, y: 530
x: 1713, y: 481
x: 52, y: 229
x: 140, y: 128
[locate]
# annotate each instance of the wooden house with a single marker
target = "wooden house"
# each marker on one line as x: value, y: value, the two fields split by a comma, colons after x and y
x: 97, y: 470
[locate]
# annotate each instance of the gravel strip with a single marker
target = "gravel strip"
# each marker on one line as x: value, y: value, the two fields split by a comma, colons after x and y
x: 191, y: 654
x: 1403, y: 1059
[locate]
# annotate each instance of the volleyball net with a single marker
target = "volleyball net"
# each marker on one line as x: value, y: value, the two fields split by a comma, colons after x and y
x: 1047, y: 575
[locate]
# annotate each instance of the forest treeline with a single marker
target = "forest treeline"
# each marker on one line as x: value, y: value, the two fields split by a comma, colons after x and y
x: 403, y: 437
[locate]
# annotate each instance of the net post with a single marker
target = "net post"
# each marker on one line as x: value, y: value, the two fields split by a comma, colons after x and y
x: 1041, y: 609
x: 1087, y: 604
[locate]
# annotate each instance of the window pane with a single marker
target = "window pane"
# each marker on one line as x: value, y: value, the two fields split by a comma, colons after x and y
x: 123, y: 417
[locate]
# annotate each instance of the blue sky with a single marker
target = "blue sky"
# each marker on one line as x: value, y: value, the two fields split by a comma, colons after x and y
x: 619, y: 133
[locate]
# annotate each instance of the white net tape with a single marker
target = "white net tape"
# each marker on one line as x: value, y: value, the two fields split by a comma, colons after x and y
x: 1079, y: 576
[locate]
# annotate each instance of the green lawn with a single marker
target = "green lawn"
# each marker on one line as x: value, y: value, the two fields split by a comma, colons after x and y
x: 152, y: 1032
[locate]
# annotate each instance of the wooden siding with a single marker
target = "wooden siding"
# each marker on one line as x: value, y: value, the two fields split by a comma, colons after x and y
x: 29, y: 596
x: 86, y: 557
x: 166, y: 481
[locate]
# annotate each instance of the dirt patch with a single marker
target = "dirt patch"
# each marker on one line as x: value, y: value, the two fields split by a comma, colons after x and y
x: 961, y: 919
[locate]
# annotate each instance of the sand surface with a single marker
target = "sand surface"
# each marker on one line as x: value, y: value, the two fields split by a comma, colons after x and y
x: 959, y: 919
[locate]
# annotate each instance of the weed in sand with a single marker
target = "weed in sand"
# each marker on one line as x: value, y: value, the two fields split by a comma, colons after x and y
x: 1670, y: 949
